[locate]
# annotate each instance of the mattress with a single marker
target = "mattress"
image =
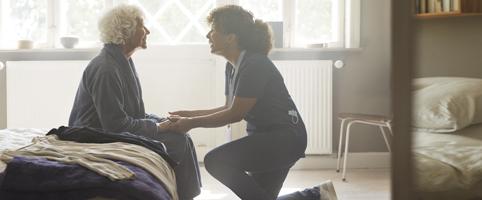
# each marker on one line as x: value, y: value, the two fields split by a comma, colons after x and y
x: 449, y: 165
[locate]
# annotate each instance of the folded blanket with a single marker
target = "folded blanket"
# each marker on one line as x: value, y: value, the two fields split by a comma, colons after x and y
x: 92, y: 135
x: 38, y: 178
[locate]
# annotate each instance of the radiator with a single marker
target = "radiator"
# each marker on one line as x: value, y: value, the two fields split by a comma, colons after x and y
x: 310, y: 84
x: 40, y: 94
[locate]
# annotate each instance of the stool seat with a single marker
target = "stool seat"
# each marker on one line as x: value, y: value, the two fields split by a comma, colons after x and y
x: 349, y: 119
x: 364, y: 117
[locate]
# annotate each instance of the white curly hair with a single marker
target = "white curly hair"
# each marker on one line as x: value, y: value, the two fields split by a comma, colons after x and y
x: 119, y: 24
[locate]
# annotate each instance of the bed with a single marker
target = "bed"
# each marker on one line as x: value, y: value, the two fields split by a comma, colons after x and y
x: 449, y: 166
x: 447, y: 138
x: 30, y: 177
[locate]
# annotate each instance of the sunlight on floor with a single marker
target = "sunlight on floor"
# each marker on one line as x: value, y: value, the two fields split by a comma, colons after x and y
x: 373, y: 184
x: 208, y: 195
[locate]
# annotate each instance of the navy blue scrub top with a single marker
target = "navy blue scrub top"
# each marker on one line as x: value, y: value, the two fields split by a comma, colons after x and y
x: 259, y: 78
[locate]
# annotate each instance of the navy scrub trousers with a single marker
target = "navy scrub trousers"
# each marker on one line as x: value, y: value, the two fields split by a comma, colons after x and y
x: 255, y: 167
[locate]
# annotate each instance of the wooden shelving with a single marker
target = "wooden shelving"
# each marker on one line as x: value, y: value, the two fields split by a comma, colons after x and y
x: 427, y: 9
x: 445, y: 14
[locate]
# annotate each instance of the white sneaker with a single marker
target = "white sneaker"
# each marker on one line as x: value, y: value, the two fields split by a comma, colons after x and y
x: 327, y: 191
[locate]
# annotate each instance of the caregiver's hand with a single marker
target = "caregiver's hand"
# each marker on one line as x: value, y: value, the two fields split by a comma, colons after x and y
x: 180, y: 124
x: 182, y: 113
x: 163, y: 126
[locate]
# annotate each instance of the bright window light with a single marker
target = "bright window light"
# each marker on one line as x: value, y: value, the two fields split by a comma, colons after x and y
x: 23, y: 20
x: 172, y: 22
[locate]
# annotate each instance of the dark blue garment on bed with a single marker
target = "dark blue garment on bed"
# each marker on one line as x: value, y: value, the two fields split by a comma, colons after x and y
x: 39, y: 179
x: 93, y: 135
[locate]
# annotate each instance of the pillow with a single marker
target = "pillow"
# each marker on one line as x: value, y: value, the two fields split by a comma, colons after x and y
x: 446, y: 104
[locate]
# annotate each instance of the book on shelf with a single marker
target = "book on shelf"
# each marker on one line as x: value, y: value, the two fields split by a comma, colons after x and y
x: 431, y: 6
x: 448, y: 6
x: 438, y: 6
x: 422, y: 6
x: 455, y: 5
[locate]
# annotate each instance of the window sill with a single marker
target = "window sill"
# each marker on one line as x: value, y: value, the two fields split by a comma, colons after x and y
x: 96, y: 49
x: 49, y: 50
x: 176, y: 52
x: 317, y: 49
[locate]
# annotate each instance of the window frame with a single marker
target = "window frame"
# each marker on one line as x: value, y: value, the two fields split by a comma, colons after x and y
x: 4, y: 16
x: 289, y: 21
x: 348, y: 21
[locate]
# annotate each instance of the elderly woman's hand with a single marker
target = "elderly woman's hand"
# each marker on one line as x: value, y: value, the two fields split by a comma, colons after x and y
x: 180, y: 124
x: 163, y: 126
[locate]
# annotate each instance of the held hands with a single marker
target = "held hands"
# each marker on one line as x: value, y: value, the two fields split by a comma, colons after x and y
x: 163, y: 126
x: 176, y: 123
x: 180, y: 124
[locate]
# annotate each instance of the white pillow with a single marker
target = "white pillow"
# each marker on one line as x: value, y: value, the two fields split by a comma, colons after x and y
x: 446, y: 104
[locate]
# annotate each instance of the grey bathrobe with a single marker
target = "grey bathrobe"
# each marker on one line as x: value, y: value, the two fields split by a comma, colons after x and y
x: 109, y: 97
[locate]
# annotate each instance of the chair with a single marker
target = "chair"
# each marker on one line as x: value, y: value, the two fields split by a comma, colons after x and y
x: 354, y: 118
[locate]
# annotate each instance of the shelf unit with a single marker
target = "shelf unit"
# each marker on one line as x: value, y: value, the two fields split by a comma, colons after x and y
x: 445, y: 14
x: 427, y: 9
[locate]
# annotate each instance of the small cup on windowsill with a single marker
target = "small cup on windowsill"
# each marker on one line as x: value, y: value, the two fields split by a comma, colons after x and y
x: 25, y: 44
x: 319, y: 45
x: 69, y: 42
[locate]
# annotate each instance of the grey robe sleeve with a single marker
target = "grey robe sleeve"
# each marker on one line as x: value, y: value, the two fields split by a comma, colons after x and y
x: 108, y: 97
x: 155, y: 118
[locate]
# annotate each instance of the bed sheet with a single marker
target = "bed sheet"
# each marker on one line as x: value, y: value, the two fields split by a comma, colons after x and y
x: 449, y: 165
x: 17, y: 138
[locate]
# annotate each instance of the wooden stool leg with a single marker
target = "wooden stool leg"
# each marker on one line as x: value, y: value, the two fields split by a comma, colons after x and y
x: 340, y: 144
x: 385, y: 137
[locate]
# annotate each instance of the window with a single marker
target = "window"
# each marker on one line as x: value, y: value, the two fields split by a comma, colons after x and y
x: 175, y: 21
x: 317, y: 22
x: 44, y: 21
x: 171, y: 22
x: 267, y: 10
x: 73, y: 20
x: 305, y: 22
x: 27, y: 20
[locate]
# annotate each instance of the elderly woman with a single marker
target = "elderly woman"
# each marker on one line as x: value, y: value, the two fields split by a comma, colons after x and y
x: 109, y: 96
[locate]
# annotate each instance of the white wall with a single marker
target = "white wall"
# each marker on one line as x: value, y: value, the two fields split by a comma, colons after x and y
x: 449, y: 46
x: 3, y: 104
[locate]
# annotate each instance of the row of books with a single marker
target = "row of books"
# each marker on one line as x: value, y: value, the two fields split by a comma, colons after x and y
x: 446, y: 6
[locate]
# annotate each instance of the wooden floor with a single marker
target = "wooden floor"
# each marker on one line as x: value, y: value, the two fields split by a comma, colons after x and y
x: 362, y: 184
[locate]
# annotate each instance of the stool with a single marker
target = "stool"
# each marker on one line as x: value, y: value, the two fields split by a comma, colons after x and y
x: 353, y: 118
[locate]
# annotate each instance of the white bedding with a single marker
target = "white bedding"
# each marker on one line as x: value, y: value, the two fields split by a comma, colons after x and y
x: 446, y: 104
x: 16, y: 138
x: 449, y: 165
